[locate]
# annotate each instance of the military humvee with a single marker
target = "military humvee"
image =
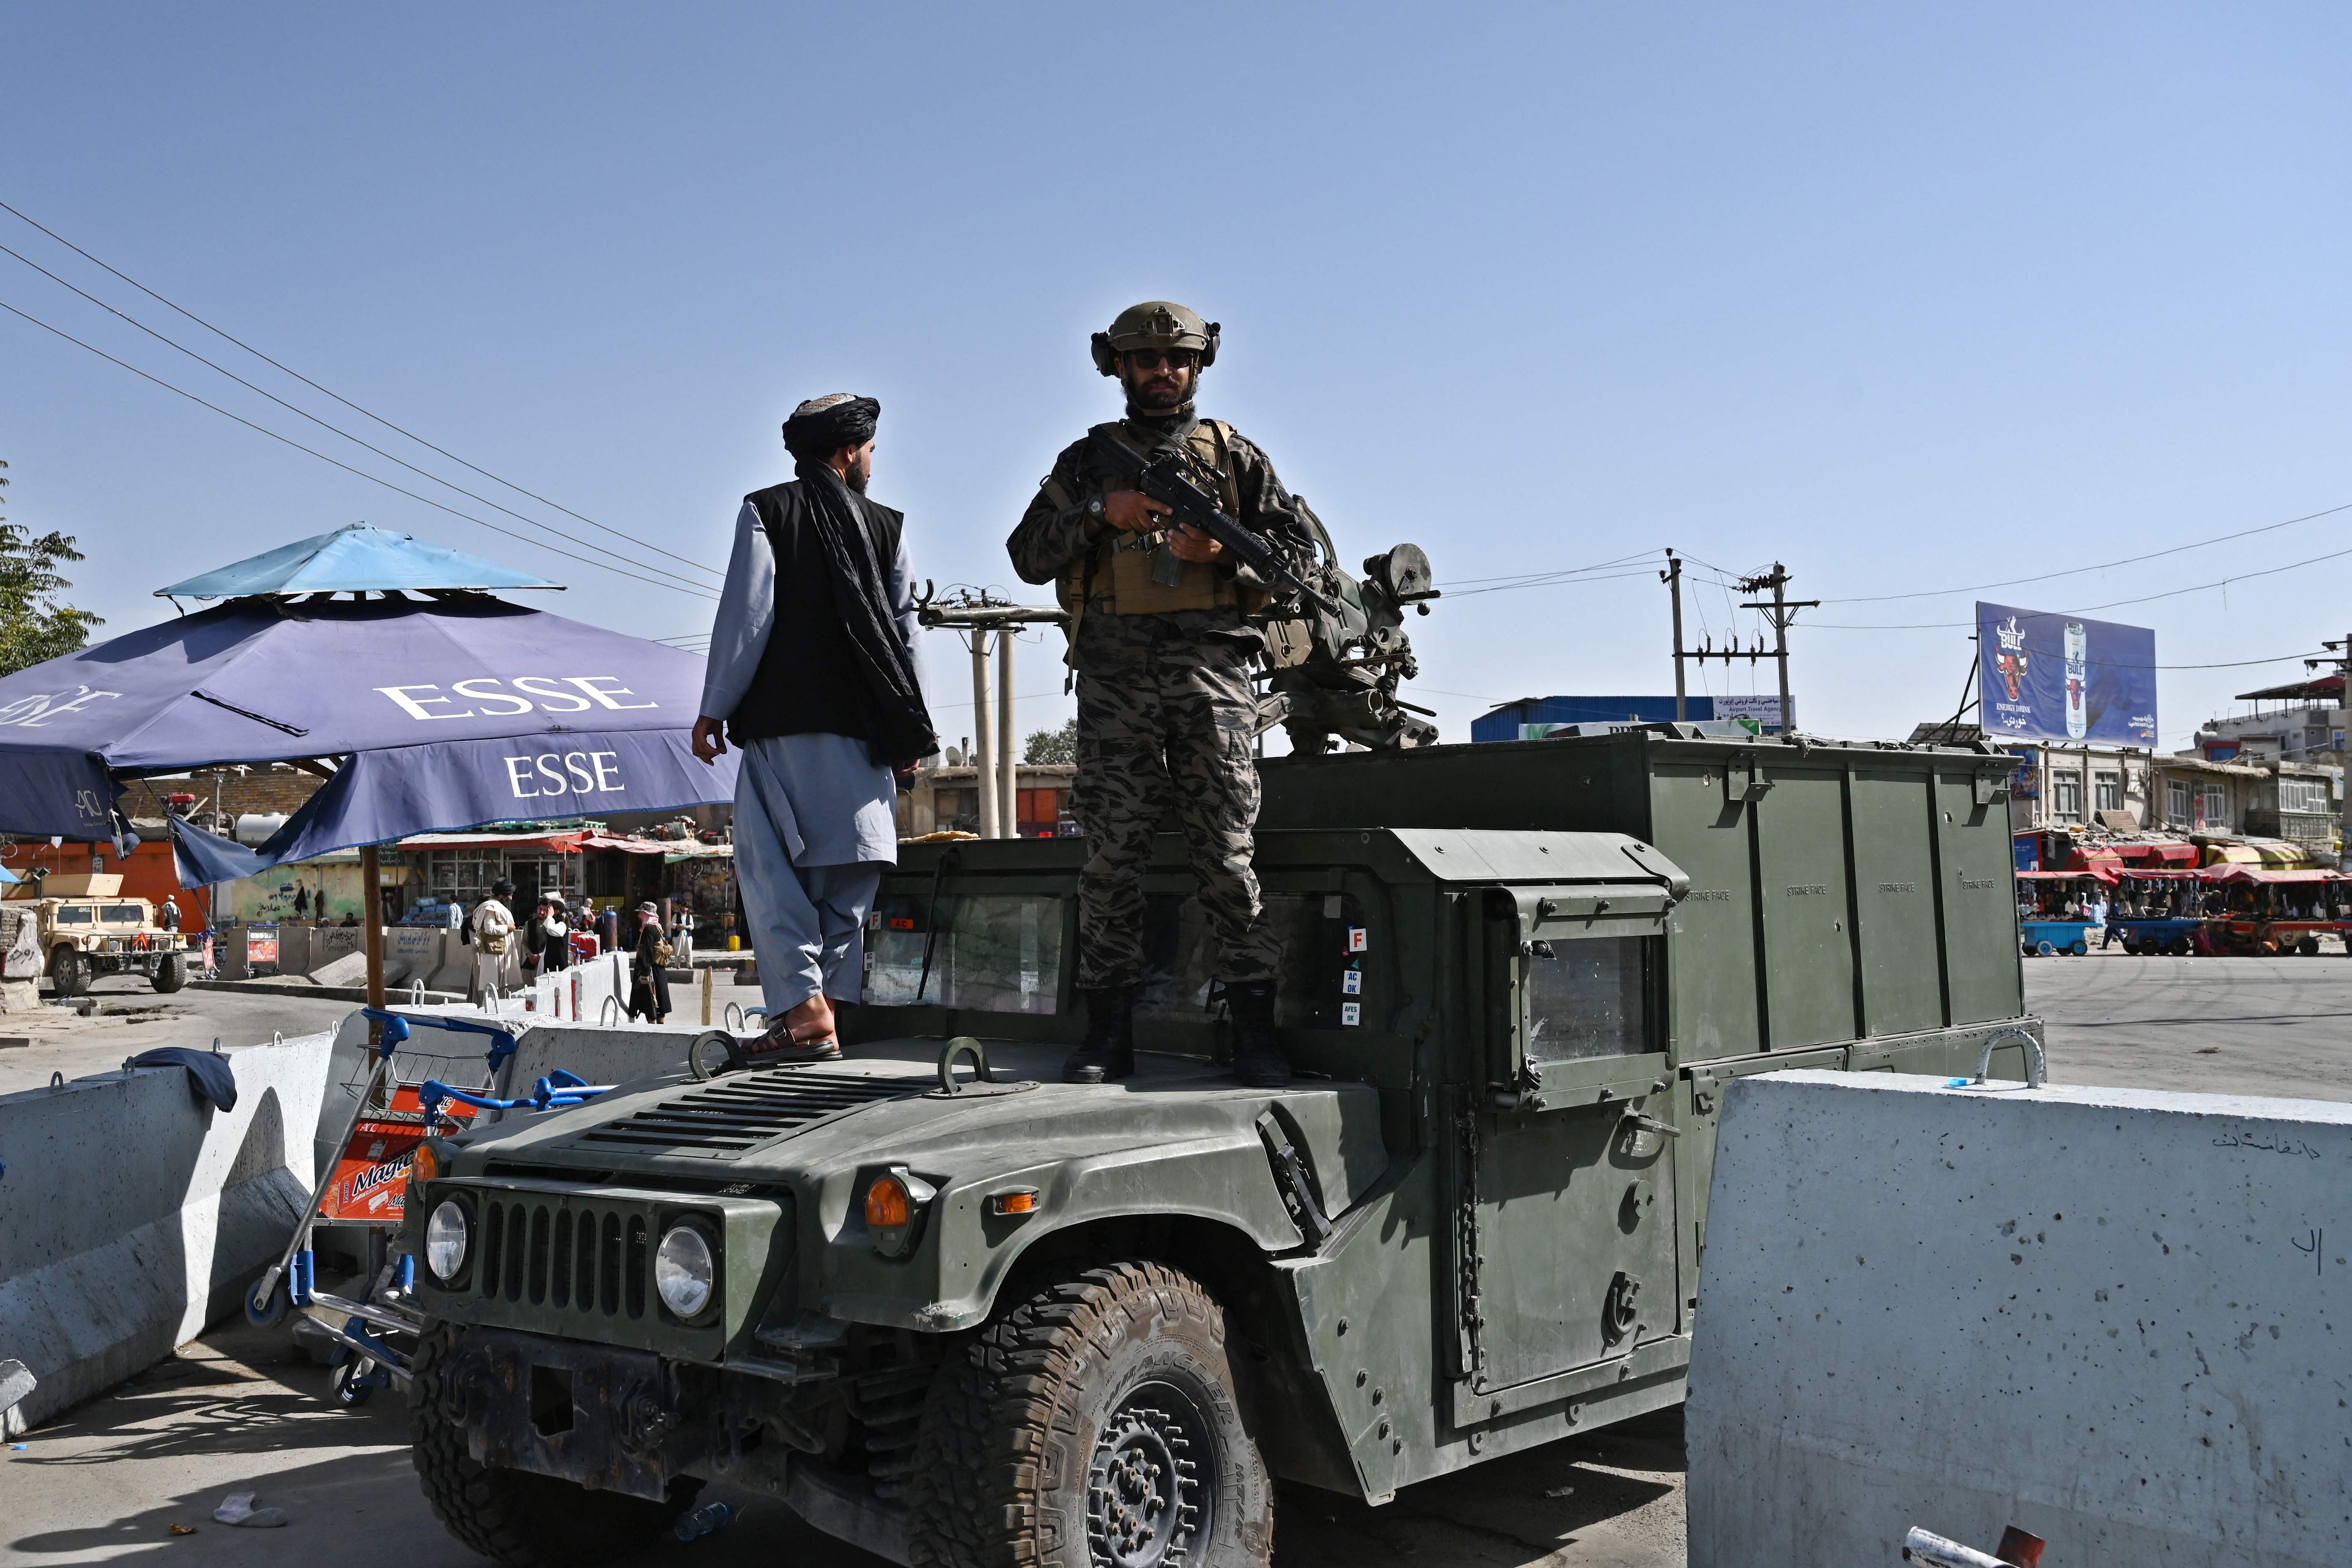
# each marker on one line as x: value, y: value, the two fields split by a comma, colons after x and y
x: 88, y: 928
x: 958, y: 1320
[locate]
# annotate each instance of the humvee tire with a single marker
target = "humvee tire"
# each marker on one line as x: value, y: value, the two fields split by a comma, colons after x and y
x: 513, y: 1516
x: 69, y: 972
x: 1123, y: 1369
x: 171, y: 971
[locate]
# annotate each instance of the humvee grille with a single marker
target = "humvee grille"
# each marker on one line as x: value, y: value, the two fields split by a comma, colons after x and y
x: 744, y: 1111
x: 578, y: 1258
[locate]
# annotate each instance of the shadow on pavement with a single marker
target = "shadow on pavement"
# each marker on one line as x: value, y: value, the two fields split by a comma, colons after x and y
x: 240, y: 1412
x: 1614, y: 1498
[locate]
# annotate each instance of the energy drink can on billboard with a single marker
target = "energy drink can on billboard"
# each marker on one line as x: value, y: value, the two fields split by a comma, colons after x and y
x: 2078, y: 680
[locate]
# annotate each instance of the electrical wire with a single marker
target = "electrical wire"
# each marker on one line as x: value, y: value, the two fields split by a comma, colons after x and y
x: 332, y: 429
x: 346, y: 401
x: 288, y: 440
x: 2104, y: 567
x: 2085, y: 609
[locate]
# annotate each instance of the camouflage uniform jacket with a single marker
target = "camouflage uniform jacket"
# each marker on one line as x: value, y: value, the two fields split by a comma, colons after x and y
x: 1053, y: 535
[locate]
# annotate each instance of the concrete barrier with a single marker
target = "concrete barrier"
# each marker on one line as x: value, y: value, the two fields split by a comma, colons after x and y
x: 2121, y: 1319
x: 133, y: 1213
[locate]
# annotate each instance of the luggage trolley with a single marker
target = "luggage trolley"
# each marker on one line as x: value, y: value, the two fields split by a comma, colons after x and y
x: 393, y: 1112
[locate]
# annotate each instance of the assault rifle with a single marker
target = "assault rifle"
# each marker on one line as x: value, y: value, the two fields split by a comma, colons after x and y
x: 1167, y: 476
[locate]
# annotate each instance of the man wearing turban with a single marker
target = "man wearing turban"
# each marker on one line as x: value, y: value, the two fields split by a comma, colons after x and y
x: 812, y: 676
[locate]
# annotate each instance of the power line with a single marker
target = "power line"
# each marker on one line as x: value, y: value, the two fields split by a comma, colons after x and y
x: 2110, y: 605
x: 314, y: 419
x: 346, y: 401
x: 288, y: 440
x: 2104, y: 567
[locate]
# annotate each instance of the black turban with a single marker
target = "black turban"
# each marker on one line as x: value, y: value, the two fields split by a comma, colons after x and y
x: 824, y: 426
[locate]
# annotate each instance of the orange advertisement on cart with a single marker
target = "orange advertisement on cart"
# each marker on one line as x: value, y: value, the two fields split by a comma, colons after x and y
x: 372, y: 1178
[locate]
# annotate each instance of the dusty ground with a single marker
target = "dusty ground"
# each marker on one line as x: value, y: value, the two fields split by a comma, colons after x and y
x: 235, y: 1412
x: 130, y: 1017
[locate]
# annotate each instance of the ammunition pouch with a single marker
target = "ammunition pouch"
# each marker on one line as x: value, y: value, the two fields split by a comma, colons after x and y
x: 1117, y: 577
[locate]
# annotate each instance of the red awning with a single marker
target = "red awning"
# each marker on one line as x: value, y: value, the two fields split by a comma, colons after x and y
x: 2094, y: 873
x: 2161, y: 854
x: 554, y: 843
x: 2257, y: 874
x: 625, y: 846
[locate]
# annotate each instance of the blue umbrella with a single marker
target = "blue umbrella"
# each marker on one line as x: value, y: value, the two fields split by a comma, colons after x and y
x: 353, y: 559
x: 431, y: 713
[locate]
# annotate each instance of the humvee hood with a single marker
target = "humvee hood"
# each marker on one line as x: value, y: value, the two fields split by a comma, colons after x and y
x: 885, y: 1104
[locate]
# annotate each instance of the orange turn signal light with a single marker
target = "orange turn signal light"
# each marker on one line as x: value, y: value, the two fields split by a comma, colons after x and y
x: 1024, y: 1201
x: 887, y: 1205
x: 426, y: 1166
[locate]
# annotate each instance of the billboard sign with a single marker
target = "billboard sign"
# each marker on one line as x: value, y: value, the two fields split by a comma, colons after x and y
x: 2064, y: 678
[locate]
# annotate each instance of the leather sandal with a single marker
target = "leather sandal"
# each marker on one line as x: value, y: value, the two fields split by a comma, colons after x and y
x: 781, y: 1044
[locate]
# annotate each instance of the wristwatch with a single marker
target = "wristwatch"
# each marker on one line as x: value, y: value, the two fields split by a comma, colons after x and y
x: 1094, y: 508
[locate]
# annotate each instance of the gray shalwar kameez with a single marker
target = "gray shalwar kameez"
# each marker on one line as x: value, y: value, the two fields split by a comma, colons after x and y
x: 815, y: 816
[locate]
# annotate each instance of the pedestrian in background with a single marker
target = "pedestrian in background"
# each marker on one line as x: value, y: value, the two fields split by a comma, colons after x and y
x: 492, y: 927
x: 552, y: 937
x: 169, y: 919
x: 648, y: 968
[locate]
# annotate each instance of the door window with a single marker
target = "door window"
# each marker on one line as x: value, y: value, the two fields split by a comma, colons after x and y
x: 1589, y: 999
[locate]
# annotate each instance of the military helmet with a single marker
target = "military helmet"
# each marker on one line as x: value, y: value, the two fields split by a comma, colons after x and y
x: 1156, y: 324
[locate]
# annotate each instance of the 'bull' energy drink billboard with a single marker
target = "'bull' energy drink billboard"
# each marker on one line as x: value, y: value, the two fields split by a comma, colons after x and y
x: 2064, y: 678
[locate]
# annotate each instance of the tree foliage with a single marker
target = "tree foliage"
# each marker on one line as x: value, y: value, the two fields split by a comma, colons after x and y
x: 34, y: 625
x: 1050, y: 746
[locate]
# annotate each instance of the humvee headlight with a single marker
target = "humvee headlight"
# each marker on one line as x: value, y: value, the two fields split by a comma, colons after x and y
x: 893, y: 1208
x: 445, y: 1240
x: 684, y: 1271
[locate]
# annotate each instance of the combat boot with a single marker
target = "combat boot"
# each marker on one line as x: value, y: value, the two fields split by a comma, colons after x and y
x: 1257, y: 1060
x: 1108, y: 1051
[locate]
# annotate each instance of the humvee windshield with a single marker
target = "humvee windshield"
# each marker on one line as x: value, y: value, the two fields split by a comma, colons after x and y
x: 995, y: 952
x: 76, y: 915
x: 125, y: 915
x: 1004, y: 953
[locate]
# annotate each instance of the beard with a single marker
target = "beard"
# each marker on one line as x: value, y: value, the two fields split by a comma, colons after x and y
x: 1152, y: 394
x: 856, y: 477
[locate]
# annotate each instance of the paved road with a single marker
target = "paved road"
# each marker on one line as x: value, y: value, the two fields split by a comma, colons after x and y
x: 2279, y: 1026
x: 131, y: 1017
x: 235, y: 1412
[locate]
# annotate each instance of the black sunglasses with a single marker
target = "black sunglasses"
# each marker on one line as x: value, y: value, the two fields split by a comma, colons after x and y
x: 1153, y: 358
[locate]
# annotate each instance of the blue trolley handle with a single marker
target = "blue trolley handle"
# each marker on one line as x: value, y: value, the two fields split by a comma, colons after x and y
x: 558, y: 1092
x: 396, y: 1028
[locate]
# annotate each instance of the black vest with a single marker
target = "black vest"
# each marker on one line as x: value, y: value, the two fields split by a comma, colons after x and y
x: 809, y: 679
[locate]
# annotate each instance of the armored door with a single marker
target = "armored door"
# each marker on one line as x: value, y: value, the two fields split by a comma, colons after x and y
x: 1565, y: 1199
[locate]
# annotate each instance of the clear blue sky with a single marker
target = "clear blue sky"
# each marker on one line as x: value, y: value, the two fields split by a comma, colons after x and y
x: 1906, y: 297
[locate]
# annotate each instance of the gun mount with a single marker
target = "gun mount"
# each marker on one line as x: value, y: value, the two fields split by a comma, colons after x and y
x: 1333, y: 677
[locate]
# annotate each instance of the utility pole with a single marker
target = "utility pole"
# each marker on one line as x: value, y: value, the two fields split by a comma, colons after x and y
x: 1782, y: 611
x: 1673, y: 578
x: 1008, y: 748
x: 2343, y: 663
x: 996, y: 758
x: 983, y: 737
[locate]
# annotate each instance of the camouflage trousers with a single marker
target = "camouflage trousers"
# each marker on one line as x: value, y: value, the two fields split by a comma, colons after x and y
x: 1166, y: 717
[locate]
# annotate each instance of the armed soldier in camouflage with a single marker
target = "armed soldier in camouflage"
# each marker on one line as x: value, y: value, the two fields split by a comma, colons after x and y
x: 1161, y: 639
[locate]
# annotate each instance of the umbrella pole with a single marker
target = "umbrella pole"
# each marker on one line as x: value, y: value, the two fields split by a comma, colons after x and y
x: 372, y: 876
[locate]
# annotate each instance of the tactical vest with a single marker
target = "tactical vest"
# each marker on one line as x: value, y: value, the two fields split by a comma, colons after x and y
x: 1115, y: 577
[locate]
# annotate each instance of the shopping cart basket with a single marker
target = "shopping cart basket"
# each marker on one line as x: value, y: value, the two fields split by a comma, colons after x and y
x: 397, y: 1103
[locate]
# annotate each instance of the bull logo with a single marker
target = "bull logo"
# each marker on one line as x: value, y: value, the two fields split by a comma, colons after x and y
x: 2010, y: 662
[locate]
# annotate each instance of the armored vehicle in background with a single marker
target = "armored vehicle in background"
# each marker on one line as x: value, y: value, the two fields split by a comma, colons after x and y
x: 87, y: 929
x: 960, y: 1322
